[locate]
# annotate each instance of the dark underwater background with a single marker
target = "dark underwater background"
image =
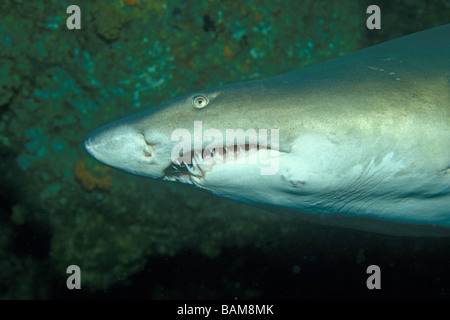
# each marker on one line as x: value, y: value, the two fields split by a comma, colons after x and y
x: 138, y: 238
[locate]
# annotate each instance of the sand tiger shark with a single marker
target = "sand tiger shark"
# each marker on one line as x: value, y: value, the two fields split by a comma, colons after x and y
x: 360, y: 141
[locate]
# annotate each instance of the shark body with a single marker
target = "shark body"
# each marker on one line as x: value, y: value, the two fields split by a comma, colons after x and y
x: 359, y: 141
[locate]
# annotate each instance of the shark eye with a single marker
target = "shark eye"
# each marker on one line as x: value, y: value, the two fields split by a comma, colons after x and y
x: 199, y: 101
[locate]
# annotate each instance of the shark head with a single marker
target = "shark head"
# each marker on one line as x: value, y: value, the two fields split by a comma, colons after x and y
x: 211, y: 139
x: 123, y: 145
x: 341, y: 138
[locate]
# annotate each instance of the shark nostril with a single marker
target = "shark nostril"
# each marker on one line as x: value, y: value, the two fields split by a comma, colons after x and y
x: 148, y: 149
x: 146, y: 142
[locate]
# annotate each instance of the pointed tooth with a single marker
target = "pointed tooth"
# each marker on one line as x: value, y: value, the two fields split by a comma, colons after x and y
x: 189, y: 169
x: 192, y: 171
x: 187, y: 180
x: 196, y: 165
x: 229, y: 154
x: 218, y: 156
x: 198, y: 156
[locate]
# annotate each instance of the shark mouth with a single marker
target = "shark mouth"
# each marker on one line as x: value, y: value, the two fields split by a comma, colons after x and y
x: 192, y: 167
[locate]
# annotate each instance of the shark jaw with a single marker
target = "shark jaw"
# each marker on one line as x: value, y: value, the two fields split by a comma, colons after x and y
x: 215, y: 165
x: 210, y: 159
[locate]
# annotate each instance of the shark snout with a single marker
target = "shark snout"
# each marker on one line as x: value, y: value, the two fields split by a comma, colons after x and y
x: 112, y: 143
x: 89, y: 145
x: 102, y: 146
x: 122, y: 147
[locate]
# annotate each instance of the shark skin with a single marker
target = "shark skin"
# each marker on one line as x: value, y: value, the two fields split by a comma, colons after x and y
x: 360, y: 141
